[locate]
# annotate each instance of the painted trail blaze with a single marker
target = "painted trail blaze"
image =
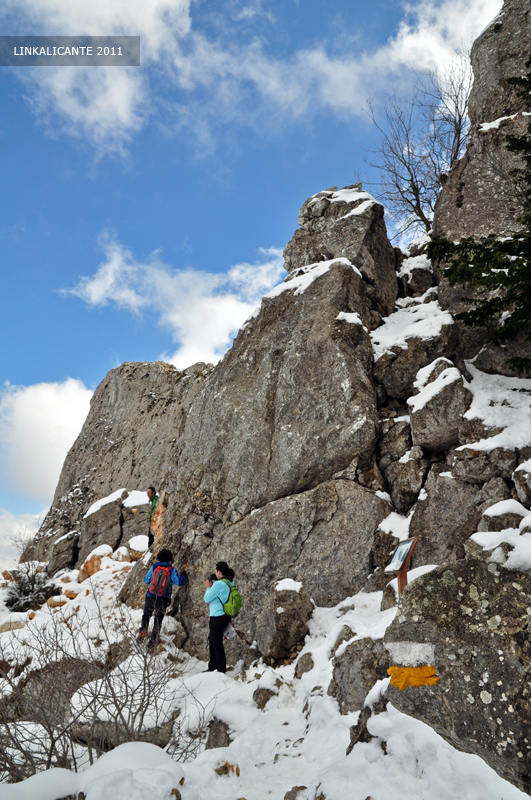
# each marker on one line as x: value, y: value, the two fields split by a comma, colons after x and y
x: 402, y: 677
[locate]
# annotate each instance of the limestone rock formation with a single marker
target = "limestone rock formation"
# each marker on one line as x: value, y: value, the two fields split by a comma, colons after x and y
x: 439, y: 406
x: 397, y: 369
x: 479, y: 196
x: 291, y: 403
x: 356, y: 670
x: 268, y: 459
x: 471, y: 622
x: 129, y: 439
x: 327, y: 231
x: 342, y: 416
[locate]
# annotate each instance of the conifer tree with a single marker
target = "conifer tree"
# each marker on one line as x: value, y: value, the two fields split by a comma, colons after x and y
x: 498, y: 269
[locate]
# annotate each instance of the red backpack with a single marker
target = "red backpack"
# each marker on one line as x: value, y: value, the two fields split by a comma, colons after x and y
x: 159, y: 582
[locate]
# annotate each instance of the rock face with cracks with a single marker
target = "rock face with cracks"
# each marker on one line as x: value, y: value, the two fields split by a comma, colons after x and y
x: 260, y: 456
x: 471, y: 621
x: 291, y: 458
x: 479, y: 197
x: 347, y: 223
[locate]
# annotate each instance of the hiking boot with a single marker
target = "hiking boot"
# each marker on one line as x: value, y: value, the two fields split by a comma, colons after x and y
x: 141, y: 636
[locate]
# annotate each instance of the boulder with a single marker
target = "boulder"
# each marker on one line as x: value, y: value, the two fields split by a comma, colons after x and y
x: 63, y: 552
x: 437, y: 410
x: 492, y: 358
x: 262, y: 696
x: 448, y: 512
x: 522, y: 481
x: 395, y: 441
x: 470, y: 622
x: 445, y: 515
x: 285, y: 621
x: 295, y: 792
x: 416, y: 276
x: 304, y: 664
x: 348, y: 223
x: 14, y: 625
x: 56, y: 601
x: 472, y: 430
x: 112, y: 733
x: 218, y: 734
x: 479, y: 466
x: 103, y: 527
x: 356, y: 670
x: 499, y: 515
x: 396, y: 369
x: 94, y: 562
x: 406, y: 479
x: 122, y: 555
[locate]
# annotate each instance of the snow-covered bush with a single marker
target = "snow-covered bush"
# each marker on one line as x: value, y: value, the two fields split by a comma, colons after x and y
x: 68, y: 695
x: 30, y: 587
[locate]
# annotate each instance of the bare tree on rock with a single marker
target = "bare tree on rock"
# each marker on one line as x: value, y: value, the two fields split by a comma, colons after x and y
x: 420, y: 138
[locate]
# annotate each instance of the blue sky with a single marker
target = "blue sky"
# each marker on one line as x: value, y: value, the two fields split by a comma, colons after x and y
x: 144, y: 210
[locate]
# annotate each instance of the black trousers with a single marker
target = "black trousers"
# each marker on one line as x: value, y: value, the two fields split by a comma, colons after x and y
x: 215, y: 643
x: 154, y: 606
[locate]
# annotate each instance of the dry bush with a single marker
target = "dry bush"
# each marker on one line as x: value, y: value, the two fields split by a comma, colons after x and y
x: 67, y: 696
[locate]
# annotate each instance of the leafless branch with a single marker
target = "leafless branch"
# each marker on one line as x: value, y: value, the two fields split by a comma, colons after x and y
x: 420, y: 138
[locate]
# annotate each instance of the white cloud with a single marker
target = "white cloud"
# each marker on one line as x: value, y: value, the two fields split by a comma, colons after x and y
x: 202, y: 310
x: 203, y: 80
x: 38, y: 425
x: 106, y: 105
x: 14, y: 530
x: 432, y: 30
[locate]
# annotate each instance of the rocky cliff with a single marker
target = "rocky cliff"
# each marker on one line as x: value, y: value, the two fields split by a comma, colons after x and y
x: 342, y: 402
x: 479, y: 196
x: 350, y: 412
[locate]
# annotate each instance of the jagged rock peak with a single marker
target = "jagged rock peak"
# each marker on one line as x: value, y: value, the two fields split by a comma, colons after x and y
x: 334, y: 201
x: 347, y: 223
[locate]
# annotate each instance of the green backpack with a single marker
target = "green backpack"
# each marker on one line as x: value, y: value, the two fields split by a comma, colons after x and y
x: 234, y: 602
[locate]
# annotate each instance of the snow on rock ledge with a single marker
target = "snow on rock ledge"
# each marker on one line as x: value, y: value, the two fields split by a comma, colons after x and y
x: 347, y: 224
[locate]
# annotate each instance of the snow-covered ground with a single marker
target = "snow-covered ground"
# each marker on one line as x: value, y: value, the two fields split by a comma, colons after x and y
x: 298, y: 740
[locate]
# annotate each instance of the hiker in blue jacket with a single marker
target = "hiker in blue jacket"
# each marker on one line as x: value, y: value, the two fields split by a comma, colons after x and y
x: 160, y: 578
x: 217, y: 594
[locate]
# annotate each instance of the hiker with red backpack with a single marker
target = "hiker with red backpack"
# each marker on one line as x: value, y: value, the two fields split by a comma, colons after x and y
x: 160, y: 578
x: 225, y: 602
